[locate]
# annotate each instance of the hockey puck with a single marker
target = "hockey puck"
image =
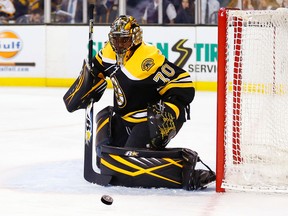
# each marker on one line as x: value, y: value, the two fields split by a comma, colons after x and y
x: 106, y: 199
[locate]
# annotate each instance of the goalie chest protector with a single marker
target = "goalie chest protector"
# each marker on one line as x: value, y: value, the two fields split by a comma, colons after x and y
x: 132, y: 167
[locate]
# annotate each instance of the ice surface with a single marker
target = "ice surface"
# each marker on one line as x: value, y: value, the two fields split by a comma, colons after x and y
x: 41, y: 164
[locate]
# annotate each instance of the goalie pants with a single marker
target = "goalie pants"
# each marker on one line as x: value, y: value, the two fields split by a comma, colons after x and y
x: 114, y: 131
x: 136, y: 135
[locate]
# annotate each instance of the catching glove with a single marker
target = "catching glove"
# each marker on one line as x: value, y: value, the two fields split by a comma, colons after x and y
x: 161, y: 122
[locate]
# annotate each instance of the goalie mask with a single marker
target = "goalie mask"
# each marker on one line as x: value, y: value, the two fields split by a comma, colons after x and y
x: 124, y: 34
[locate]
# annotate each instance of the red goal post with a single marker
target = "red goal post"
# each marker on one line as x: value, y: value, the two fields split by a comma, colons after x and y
x: 252, y: 100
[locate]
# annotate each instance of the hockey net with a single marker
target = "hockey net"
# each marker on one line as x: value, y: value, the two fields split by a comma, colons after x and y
x: 252, y: 109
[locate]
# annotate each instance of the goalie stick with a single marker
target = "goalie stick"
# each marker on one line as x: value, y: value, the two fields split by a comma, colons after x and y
x: 89, y: 174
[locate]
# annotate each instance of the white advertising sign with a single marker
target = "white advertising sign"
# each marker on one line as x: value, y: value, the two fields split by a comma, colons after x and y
x: 58, y: 51
x: 22, y: 51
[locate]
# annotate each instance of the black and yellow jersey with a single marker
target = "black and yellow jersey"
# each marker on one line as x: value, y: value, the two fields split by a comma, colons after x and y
x: 145, y: 77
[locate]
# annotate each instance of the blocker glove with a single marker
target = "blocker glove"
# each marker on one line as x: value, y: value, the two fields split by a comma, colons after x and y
x: 85, y: 88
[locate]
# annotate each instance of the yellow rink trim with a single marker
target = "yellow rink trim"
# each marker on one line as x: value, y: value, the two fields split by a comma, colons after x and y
x: 260, y: 88
x: 67, y: 82
x: 39, y: 82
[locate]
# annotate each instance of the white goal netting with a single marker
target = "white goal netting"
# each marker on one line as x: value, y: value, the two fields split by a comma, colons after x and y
x: 256, y: 125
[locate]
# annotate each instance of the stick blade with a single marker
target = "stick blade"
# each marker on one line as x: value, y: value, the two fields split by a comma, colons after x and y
x: 97, y: 178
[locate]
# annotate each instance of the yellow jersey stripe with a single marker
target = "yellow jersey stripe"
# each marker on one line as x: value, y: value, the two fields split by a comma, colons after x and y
x: 175, y: 85
x: 174, y: 108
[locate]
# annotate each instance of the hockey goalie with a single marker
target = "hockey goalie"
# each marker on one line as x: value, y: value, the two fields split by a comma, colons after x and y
x: 152, y: 97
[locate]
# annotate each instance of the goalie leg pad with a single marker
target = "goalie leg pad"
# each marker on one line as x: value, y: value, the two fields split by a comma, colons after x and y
x: 202, y: 178
x: 170, y: 168
x: 194, y: 179
x: 103, y: 131
x: 146, y: 168
x: 190, y: 159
